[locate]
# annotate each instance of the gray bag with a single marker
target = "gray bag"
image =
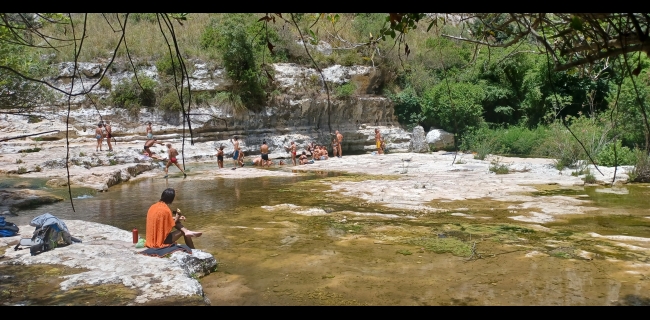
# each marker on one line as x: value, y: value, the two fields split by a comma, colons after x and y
x: 49, y: 233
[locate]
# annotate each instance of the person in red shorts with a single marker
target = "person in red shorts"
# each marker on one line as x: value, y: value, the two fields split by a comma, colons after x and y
x: 172, y: 153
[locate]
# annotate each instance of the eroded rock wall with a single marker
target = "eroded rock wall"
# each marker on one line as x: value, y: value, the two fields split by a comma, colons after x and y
x: 298, y: 110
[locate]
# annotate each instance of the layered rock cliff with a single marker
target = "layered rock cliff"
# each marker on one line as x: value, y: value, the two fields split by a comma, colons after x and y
x: 297, y: 111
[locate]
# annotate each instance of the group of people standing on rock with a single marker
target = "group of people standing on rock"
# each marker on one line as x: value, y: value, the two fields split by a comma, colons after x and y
x: 100, y: 135
x: 316, y: 152
x: 313, y: 151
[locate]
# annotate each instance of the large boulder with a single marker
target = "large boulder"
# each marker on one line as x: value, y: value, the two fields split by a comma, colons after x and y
x: 438, y: 139
x: 418, y: 141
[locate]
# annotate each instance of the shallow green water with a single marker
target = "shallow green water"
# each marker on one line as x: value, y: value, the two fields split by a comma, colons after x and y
x: 284, y: 257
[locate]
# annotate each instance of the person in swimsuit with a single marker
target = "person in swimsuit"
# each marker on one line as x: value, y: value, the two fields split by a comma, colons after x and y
x: 264, y: 150
x: 241, y: 158
x: 109, y: 135
x: 310, y: 150
x: 235, y: 155
x: 149, y: 131
x: 339, y: 137
x: 149, y: 144
x: 335, y: 146
x: 172, y: 153
x: 261, y: 162
x: 220, y: 157
x: 99, y: 135
x: 315, y: 155
x: 293, y: 153
x: 303, y: 158
x: 383, y: 145
x: 378, y: 141
x: 323, y: 153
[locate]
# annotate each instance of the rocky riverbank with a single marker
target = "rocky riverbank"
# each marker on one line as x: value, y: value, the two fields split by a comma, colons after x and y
x: 108, y: 256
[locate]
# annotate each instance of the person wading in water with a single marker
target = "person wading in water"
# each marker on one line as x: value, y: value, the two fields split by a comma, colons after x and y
x: 172, y: 153
x: 220, y: 157
x: 339, y: 137
x: 235, y: 155
x: 264, y: 150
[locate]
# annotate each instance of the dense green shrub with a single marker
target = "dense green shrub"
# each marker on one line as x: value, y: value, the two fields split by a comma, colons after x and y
x: 641, y: 170
x: 466, y: 110
x: 105, y: 83
x: 407, y: 107
x: 345, y: 90
x: 169, y: 101
x: 129, y: 94
x: 567, y: 151
x: 239, y: 61
x: 624, y: 156
x: 483, y: 141
x: 167, y: 64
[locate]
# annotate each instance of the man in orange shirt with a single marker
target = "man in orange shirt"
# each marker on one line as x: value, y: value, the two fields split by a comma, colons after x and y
x: 160, y: 223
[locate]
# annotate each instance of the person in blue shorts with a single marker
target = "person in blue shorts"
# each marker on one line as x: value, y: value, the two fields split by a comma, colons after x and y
x: 235, y: 155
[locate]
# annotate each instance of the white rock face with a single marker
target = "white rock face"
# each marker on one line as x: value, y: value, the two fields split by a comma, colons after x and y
x: 322, y: 47
x: 111, y: 258
x: 440, y: 139
x: 293, y: 78
x: 418, y: 141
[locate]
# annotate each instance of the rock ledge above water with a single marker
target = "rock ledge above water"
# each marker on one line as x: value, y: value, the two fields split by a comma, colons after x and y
x: 109, y: 256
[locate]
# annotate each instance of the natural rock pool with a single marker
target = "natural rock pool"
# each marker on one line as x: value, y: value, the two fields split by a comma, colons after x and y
x: 320, y: 238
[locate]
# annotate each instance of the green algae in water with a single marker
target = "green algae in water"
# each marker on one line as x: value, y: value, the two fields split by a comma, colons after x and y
x: 442, y: 245
x: 40, y: 285
x: 603, y: 224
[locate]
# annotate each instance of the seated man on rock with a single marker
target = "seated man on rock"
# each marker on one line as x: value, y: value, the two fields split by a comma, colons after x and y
x: 161, y: 222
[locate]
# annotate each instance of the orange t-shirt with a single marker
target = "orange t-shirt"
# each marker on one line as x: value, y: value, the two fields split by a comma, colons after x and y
x: 159, y: 223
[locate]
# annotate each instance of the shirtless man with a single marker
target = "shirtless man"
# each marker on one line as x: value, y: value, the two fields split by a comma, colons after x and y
x: 316, y: 153
x: 241, y: 158
x: 378, y: 141
x: 149, y: 131
x: 339, y: 137
x: 149, y: 144
x: 220, y: 157
x: 261, y: 162
x: 258, y: 161
x: 235, y: 155
x: 109, y: 135
x: 264, y: 150
x: 99, y: 135
x: 172, y: 153
x: 293, y: 153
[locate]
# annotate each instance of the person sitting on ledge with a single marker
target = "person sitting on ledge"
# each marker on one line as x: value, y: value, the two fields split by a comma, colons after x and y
x: 161, y: 222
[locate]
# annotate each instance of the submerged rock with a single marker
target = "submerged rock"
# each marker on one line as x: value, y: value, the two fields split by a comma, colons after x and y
x: 109, y: 256
x: 14, y: 200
